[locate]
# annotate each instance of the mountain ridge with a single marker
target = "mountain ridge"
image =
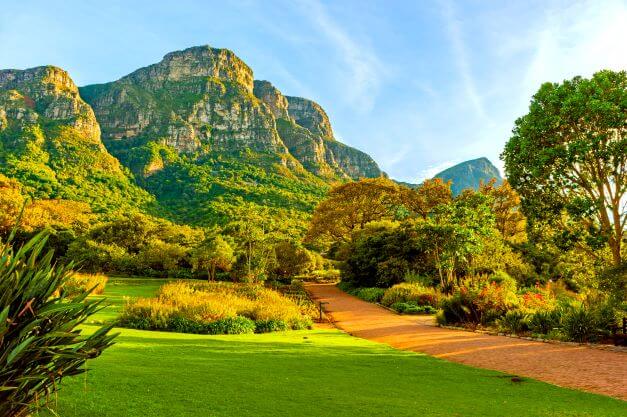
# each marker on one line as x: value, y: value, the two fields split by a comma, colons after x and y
x: 194, y: 137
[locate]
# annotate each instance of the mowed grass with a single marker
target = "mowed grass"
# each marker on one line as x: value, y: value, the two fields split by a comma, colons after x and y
x: 118, y: 290
x: 300, y: 373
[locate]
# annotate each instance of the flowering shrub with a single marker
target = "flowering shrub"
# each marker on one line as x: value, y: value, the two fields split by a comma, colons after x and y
x: 411, y: 293
x: 214, y: 307
x: 537, y: 300
x: 482, y: 303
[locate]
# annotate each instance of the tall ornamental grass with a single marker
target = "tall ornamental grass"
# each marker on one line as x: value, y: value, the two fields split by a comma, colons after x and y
x: 214, y: 308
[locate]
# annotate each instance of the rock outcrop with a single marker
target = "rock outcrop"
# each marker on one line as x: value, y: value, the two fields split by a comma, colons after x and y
x: 50, y: 140
x: 49, y: 92
x: 310, y: 115
x: 197, y: 98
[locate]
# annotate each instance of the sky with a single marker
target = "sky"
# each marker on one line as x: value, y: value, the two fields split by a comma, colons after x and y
x: 418, y: 85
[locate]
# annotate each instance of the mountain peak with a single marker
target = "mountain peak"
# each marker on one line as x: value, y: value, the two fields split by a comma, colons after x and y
x: 470, y: 174
x: 197, y: 61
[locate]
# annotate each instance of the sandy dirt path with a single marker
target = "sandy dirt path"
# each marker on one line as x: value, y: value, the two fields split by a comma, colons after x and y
x: 579, y: 367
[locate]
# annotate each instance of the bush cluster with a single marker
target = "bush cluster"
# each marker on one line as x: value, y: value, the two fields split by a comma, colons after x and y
x: 214, y: 308
x: 411, y: 293
x: 405, y: 298
x: 530, y: 311
x: 78, y: 283
x: 411, y: 308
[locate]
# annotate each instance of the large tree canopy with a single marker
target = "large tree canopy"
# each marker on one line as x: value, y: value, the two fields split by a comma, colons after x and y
x: 568, y: 154
x: 351, y: 206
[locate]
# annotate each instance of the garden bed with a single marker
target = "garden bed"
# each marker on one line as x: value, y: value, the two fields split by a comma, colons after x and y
x: 215, y: 308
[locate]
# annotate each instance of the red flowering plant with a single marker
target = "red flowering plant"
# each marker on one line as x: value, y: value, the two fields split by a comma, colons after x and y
x: 537, y: 299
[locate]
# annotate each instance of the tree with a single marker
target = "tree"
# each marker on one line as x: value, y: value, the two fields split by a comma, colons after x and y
x: 255, y: 233
x: 427, y: 196
x: 58, y: 214
x: 455, y: 233
x: 350, y: 207
x: 41, y: 340
x: 291, y: 259
x: 161, y: 256
x: 569, y: 154
x: 213, y: 254
x: 510, y: 221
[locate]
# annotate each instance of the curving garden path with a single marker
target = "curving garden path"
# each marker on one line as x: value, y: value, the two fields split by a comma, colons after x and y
x: 580, y: 367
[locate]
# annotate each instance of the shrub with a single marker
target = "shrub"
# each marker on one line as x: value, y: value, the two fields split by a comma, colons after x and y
x: 40, y: 342
x: 411, y: 308
x: 271, y: 325
x: 323, y: 276
x: 78, y: 283
x: 231, y: 325
x: 212, y: 308
x: 372, y: 295
x: 483, y: 303
x: 503, y: 279
x: 580, y: 324
x: 514, y: 321
x: 537, y: 299
x: 414, y: 293
x: 543, y: 322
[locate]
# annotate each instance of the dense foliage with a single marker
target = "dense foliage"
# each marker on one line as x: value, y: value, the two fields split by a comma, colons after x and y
x: 567, y: 159
x: 39, y: 340
x: 470, y: 256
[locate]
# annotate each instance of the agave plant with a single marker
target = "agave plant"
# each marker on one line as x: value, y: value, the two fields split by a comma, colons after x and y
x: 40, y: 342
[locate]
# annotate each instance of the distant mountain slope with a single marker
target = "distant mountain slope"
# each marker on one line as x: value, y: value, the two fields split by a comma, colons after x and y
x: 50, y: 142
x: 202, y: 135
x: 194, y: 136
x: 470, y: 174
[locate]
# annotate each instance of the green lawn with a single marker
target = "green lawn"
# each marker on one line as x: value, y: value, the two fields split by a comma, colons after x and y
x: 300, y: 373
x: 118, y: 290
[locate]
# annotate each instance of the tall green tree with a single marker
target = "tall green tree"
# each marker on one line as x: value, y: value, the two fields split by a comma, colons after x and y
x: 569, y: 154
x: 213, y: 254
x: 455, y: 233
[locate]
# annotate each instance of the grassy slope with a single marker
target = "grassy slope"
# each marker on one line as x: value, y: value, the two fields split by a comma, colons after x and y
x: 309, y: 373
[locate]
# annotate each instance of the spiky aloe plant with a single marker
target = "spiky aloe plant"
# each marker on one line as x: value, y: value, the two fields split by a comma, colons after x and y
x: 39, y: 340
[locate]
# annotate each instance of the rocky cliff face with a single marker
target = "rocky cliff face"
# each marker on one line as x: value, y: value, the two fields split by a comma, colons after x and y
x: 273, y: 98
x: 46, y: 92
x: 310, y: 115
x: 199, y: 98
x: 50, y: 140
x: 205, y: 100
x: 304, y: 127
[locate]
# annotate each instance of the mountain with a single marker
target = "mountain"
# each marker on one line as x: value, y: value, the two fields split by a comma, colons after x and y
x: 50, y: 142
x: 194, y: 136
x: 470, y: 174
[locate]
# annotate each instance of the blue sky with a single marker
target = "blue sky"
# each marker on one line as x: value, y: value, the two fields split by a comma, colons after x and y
x: 419, y: 85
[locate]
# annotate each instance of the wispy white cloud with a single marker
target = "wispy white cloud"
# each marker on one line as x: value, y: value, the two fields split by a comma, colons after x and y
x: 460, y: 56
x: 577, y: 40
x: 362, y: 71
